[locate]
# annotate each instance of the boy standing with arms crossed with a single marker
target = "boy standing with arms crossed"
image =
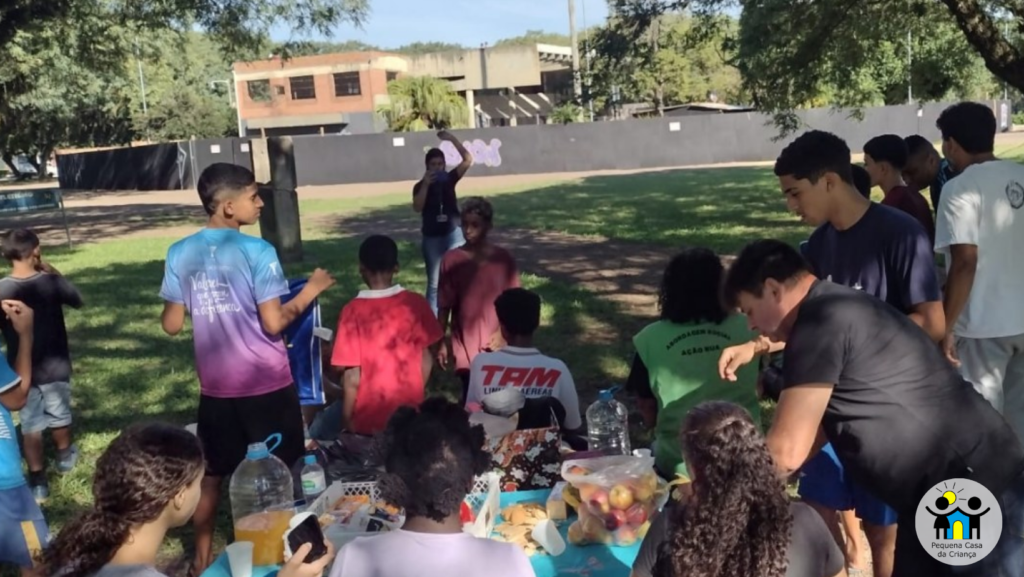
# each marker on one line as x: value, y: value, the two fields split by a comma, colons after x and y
x: 48, y: 406
x: 231, y: 285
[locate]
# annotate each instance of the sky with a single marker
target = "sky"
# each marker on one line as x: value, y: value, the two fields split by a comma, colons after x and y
x: 393, y: 23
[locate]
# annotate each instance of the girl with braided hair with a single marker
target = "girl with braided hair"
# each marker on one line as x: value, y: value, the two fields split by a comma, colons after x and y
x: 739, y: 522
x: 431, y: 456
x: 146, y: 483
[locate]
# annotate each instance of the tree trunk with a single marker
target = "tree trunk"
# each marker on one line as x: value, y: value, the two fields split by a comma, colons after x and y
x: 1000, y: 57
x: 8, y: 159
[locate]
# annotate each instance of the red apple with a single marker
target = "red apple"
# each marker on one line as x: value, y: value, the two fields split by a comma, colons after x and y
x: 615, y: 519
x: 599, y: 501
x: 620, y: 497
x: 636, y: 515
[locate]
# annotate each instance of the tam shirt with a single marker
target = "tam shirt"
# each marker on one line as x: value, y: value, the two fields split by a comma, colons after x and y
x: 534, y: 374
x: 222, y: 276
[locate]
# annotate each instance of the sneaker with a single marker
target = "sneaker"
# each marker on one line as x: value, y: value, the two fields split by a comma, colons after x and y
x: 67, y: 460
x: 40, y: 493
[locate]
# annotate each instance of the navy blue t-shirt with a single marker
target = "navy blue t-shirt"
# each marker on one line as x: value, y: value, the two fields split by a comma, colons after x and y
x: 886, y: 254
x: 441, y: 209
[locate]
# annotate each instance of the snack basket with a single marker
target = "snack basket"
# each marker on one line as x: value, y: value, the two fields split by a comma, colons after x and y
x: 483, y: 500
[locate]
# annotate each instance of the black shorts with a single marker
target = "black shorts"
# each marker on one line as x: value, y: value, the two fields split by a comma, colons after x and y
x: 227, y: 426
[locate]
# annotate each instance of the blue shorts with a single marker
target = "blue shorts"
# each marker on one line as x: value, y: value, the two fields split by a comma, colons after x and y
x: 47, y: 407
x: 823, y: 481
x: 25, y: 533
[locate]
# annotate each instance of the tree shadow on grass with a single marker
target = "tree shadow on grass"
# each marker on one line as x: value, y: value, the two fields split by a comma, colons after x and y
x: 721, y: 209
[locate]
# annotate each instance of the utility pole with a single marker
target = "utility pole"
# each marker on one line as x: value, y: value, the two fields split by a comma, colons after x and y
x: 910, y: 69
x: 586, y: 48
x: 577, y: 89
x: 142, y: 85
x: 655, y: 37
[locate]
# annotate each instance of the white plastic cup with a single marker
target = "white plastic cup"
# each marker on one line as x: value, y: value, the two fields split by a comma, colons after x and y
x: 545, y: 533
x: 240, y: 558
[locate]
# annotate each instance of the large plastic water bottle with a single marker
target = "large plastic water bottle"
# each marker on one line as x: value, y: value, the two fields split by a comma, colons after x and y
x: 314, y: 481
x: 608, y: 424
x: 262, y: 502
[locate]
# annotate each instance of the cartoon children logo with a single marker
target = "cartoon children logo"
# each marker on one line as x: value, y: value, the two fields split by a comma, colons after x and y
x: 950, y: 521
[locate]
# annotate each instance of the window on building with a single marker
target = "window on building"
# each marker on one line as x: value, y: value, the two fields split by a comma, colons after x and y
x: 259, y: 90
x: 302, y: 87
x: 391, y: 75
x: 347, y: 84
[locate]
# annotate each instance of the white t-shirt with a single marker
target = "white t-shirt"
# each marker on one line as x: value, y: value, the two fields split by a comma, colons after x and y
x: 984, y: 207
x: 534, y: 374
x: 407, y: 554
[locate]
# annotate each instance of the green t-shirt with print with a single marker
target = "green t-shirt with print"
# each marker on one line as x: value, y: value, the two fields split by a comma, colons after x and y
x: 682, y: 361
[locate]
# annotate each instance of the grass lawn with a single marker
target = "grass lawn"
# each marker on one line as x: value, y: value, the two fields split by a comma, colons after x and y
x: 127, y: 370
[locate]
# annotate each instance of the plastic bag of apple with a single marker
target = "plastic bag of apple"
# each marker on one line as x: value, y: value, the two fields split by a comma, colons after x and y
x: 617, y: 496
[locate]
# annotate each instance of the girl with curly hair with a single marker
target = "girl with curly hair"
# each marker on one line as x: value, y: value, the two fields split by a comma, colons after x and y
x: 146, y: 483
x: 739, y: 521
x: 676, y: 362
x: 431, y: 456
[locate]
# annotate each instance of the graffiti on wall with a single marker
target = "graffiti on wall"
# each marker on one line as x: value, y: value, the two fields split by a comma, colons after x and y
x: 484, y: 153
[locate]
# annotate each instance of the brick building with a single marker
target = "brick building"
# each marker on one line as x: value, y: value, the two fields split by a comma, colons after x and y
x: 340, y: 93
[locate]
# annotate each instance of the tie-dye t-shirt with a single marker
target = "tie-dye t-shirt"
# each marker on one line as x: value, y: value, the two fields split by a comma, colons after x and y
x: 222, y: 276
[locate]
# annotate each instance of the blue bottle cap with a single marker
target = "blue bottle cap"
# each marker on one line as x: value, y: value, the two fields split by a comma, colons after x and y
x: 257, y: 451
x: 310, y: 459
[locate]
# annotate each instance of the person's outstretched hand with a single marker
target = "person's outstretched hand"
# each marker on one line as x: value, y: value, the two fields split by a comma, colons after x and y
x: 733, y: 358
x: 20, y: 315
x: 321, y: 280
x: 445, y: 135
x: 297, y: 566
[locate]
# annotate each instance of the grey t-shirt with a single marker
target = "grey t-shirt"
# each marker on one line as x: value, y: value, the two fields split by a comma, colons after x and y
x: 128, y: 571
x: 812, y: 550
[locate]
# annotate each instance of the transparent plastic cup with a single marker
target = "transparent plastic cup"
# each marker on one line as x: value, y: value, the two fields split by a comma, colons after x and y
x: 240, y: 558
x: 546, y: 535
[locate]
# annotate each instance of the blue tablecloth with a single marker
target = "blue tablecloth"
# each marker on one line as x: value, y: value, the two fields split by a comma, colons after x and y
x: 221, y: 568
x: 589, y: 561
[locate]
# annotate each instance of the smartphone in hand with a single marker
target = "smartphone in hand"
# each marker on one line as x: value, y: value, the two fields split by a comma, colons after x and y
x: 307, y: 531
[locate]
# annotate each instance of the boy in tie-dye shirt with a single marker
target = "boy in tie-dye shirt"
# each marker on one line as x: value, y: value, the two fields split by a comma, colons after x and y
x: 231, y: 286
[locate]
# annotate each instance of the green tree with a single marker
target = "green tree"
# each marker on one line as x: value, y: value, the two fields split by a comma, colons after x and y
x: 67, y: 68
x: 532, y: 37
x: 843, y: 53
x: 187, y: 94
x: 417, y: 48
x: 423, y: 103
x: 667, y: 65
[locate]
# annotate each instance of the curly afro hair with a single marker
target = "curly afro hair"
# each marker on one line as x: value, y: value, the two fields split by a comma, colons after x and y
x: 739, y: 523
x: 431, y: 456
x: 690, y: 288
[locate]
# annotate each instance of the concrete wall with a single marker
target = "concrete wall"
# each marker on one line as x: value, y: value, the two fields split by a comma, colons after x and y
x: 481, y: 68
x: 635, y: 144
x: 654, y: 143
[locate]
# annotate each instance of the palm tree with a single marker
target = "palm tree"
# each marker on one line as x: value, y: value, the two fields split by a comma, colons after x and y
x: 423, y: 103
